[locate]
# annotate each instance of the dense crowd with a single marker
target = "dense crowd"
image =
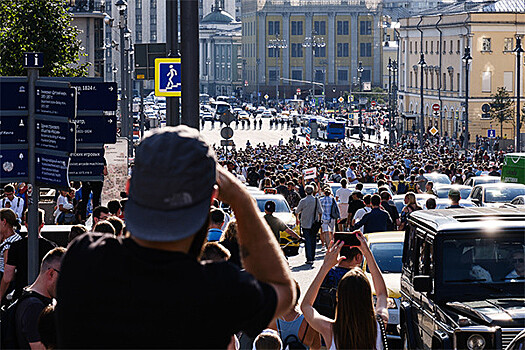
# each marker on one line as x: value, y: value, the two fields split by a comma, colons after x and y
x: 187, y: 250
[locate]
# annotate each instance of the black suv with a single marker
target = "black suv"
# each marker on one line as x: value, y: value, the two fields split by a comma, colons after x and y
x: 462, y: 285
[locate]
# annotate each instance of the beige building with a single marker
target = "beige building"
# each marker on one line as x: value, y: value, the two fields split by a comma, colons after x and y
x: 489, y: 29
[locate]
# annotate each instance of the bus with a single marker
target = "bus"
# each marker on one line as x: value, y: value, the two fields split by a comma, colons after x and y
x: 330, y: 129
x: 228, y: 99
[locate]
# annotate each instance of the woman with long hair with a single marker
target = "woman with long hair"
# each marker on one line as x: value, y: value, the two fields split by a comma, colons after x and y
x: 8, y: 225
x: 229, y: 241
x: 355, y: 325
x: 410, y: 206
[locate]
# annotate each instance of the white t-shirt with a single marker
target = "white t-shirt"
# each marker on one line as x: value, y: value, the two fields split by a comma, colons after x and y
x: 16, y: 205
x: 65, y: 204
x: 359, y: 215
x: 344, y: 195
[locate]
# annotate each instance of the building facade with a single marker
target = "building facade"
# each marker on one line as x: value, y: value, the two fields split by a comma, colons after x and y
x: 489, y: 30
x: 288, y: 43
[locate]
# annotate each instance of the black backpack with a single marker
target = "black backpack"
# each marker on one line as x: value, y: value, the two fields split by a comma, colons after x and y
x: 8, y: 338
x: 292, y: 342
x: 326, y: 301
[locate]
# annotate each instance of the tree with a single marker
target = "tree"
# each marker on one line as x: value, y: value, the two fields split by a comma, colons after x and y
x: 501, y: 108
x: 39, y: 26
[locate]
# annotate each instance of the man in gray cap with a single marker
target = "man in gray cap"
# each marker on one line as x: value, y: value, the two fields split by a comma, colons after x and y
x: 454, y: 196
x: 149, y: 290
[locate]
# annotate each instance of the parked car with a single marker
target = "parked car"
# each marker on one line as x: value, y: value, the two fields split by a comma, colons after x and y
x: 206, y: 116
x: 479, y: 180
x: 442, y: 190
x: 266, y: 114
x: 437, y: 178
x: 495, y: 194
x: 387, y: 248
x: 458, y: 284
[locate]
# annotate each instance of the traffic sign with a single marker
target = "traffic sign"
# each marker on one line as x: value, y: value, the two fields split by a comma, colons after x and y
x: 435, y: 113
x: 87, y: 165
x: 434, y: 131
x: 294, y: 131
x: 14, y: 165
x: 13, y: 94
x: 227, y: 143
x: 52, y: 169
x: 55, y: 100
x: 55, y: 135
x: 168, y: 77
x: 13, y: 130
x: 435, y: 107
x: 298, y: 91
x: 485, y: 108
x: 373, y: 103
x: 96, y: 96
x: 33, y: 60
x: 226, y: 132
x: 266, y: 96
x: 96, y: 129
x: 227, y: 117
x: 341, y: 100
x: 308, y: 130
x: 491, y: 133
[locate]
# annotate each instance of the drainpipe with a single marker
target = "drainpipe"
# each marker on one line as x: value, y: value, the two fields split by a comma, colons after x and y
x: 421, y: 117
x: 439, y: 77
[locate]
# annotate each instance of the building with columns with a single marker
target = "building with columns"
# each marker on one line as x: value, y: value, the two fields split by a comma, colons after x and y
x: 489, y: 29
x: 288, y: 43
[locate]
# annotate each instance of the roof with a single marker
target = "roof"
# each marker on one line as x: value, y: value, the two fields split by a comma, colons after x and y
x: 468, y: 219
x: 478, y: 6
x: 218, y: 17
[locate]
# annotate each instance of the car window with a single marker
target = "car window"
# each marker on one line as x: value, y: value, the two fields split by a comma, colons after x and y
x: 281, y: 206
x: 388, y: 256
x: 502, y: 194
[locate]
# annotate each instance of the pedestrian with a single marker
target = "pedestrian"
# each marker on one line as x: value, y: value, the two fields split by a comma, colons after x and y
x: 229, y: 241
x: 429, y: 188
x: 16, y: 204
x: 329, y: 217
x: 174, y: 180
x: 342, y: 196
x: 215, y: 226
x: 377, y: 220
x: 362, y: 211
x: 8, y: 235
x: 214, y: 252
x: 276, y: 225
x: 308, y: 212
x: 293, y: 196
x: 410, y: 206
x: 390, y: 209
x: 454, y: 196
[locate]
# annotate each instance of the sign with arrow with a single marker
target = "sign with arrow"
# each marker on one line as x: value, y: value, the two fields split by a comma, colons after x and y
x: 56, y: 101
x: 96, y: 129
x: 52, y: 170
x: 96, y: 96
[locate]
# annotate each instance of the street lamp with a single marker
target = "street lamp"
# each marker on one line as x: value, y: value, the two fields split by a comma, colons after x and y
x: 124, y: 112
x: 390, y: 69
x: 467, y: 58
x: 359, y: 75
x: 422, y: 64
x: 313, y: 42
x: 208, y: 61
x: 518, y: 51
x: 277, y: 44
x: 258, y: 60
x: 394, y: 100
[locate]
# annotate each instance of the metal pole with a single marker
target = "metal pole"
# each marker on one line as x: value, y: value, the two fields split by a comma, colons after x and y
x: 32, y: 220
x: 131, y: 119
x: 313, y: 78
x: 258, y: 93
x: 390, y: 100
x: 189, y: 31
x: 123, y: 71
x: 422, y: 119
x: 141, y: 86
x: 172, y: 48
x: 518, y: 51
x: 394, y: 103
x: 466, y: 136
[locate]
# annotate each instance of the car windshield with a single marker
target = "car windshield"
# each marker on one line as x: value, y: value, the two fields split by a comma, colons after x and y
x: 484, y: 260
x: 388, y: 256
x: 443, y: 192
x: 222, y: 108
x: 502, y: 194
x: 438, y: 178
x: 281, y: 206
x: 486, y: 180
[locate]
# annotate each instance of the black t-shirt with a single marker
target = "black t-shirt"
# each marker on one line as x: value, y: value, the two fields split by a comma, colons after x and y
x: 27, y: 314
x: 18, y: 257
x: 113, y: 293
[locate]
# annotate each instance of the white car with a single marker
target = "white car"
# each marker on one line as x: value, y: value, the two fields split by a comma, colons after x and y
x: 206, y: 116
x: 243, y: 115
x: 266, y: 114
x: 496, y: 194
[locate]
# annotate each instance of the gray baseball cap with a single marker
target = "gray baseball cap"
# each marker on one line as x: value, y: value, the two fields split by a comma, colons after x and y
x: 171, y: 185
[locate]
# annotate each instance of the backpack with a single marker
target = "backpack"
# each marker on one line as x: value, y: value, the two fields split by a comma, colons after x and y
x: 326, y: 301
x: 411, y: 187
x: 8, y: 339
x: 292, y: 341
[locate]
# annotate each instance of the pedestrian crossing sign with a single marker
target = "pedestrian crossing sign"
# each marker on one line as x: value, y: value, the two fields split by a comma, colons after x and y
x: 168, y: 77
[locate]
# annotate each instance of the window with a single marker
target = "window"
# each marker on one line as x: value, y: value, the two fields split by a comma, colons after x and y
x: 445, y: 81
x: 444, y: 47
x: 426, y: 46
x: 508, y: 45
x: 366, y: 75
x: 138, y: 4
x: 270, y: 28
x: 365, y: 28
x: 297, y: 27
x: 458, y: 81
x: 138, y: 36
x: 410, y: 85
x: 342, y: 27
x: 507, y: 81
x: 431, y: 47
x: 342, y: 75
x: 272, y: 76
x: 297, y: 74
x: 297, y: 50
x: 320, y: 51
x: 415, y: 50
x: 274, y: 28
x: 319, y: 76
x: 451, y: 82
x: 459, y: 45
x: 410, y: 46
x: 404, y: 46
x: 451, y: 47
x: 485, y: 44
x: 320, y: 27
x: 138, y: 19
x: 342, y: 49
x: 365, y: 49
x: 486, y: 81
x: 274, y: 52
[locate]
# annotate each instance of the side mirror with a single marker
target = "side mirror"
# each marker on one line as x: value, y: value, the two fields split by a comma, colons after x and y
x: 422, y: 284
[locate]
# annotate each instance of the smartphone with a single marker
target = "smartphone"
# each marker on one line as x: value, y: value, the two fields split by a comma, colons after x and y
x: 350, y: 239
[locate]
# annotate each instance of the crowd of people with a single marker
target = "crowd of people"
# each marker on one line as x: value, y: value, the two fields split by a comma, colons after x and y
x: 188, y: 250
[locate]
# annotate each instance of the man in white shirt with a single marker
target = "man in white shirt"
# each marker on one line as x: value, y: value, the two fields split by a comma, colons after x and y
x: 350, y: 174
x: 342, y: 196
x: 361, y: 212
x: 11, y: 201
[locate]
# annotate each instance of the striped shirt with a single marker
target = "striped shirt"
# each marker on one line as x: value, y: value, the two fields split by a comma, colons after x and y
x: 5, y: 245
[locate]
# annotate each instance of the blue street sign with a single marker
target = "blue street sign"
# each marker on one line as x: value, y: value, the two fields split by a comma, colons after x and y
x: 13, y: 165
x: 491, y: 133
x: 52, y: 170
x: 96, y: 96
x: 56, y: 101
x: 33, y: 60
x: 334, y: 100
x: 167, y: 77
x: 96, y: 129
x: 87, y: 165
x: 55, y: 135
x: 13, y: 94
x: 13, y: 130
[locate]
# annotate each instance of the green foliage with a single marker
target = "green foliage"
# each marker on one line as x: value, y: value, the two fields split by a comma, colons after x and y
x: 39, y: 26
x: 501, y: 108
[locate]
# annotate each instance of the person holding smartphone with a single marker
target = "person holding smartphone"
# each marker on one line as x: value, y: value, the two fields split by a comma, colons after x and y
x: 355, y: 325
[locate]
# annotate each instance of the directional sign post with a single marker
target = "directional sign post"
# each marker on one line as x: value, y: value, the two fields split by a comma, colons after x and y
x: 87, y: 165
x: 56, y: 99
x: 13, y: 165
x: 167, y: 77
x: 491, y: 133
x: 99, y: 96
x: 13, y: 130
x: 96, y: 129
x: 52, y: 170
x: 13, y: 95
x: 57, y: 135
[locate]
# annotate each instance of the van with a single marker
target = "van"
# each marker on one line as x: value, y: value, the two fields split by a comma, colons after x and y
x: 513, y: 169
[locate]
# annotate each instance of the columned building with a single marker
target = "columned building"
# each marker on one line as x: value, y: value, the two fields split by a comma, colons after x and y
x: 288, y: 43
x: 489, y: 29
